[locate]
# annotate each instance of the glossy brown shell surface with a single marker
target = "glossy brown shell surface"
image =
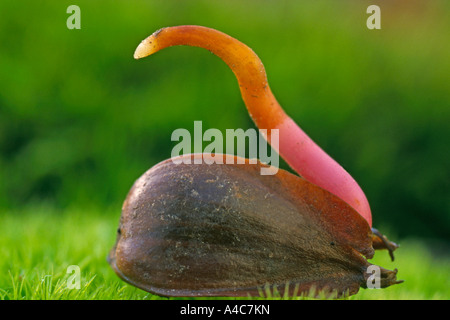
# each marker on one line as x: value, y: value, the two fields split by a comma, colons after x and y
x: 226, y: 230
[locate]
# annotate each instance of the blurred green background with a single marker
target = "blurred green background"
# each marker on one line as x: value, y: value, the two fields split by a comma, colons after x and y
x: 81, y: 120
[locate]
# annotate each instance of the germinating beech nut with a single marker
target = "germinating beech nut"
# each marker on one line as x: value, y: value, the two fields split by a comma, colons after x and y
x: 226, y: 230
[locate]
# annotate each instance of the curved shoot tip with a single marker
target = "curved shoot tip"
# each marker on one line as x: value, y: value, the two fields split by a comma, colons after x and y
x: 147, y: 46
x: 144, y: 49
x: 140, y: 51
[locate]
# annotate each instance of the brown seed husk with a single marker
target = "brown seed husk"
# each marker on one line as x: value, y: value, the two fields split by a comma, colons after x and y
x: 226, y: 230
